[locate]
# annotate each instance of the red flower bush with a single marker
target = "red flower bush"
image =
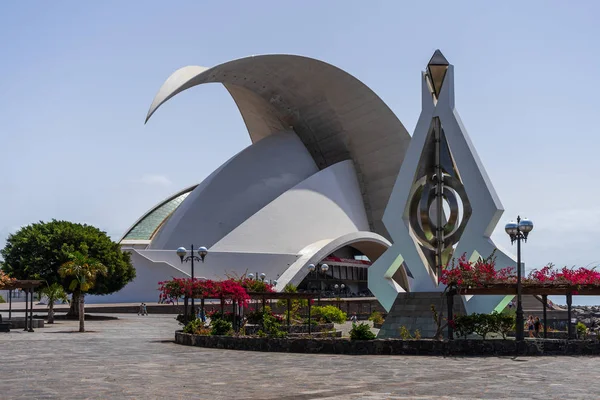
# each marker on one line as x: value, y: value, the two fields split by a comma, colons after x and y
x: 5, y: 279
x: 464, y: 273
x: 564, y: 276
x: 483, y: 273
x: 202, y: 288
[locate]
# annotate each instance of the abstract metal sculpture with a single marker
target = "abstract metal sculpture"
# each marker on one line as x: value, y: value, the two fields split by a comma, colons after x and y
x: 443, y: 203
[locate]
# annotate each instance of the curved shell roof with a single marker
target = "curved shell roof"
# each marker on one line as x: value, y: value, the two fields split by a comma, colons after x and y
x: 336, y: 116
x: 148, y: 224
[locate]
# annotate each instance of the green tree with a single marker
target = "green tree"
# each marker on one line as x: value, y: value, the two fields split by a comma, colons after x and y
x: 83, y: 271
x: 53, y: 293
x: 38, y: 250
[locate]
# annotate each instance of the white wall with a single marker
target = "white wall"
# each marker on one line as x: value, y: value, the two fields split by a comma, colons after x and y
x: 240, y: 188
x: 325, y: 206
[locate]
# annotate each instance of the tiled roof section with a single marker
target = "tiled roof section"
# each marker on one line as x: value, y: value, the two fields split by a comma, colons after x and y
x: 145, y: 229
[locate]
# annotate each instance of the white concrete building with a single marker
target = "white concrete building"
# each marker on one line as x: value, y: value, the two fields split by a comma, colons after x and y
x: 313, y: 185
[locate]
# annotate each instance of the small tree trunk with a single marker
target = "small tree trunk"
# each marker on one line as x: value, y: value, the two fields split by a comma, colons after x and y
x: 81, y: 313
x: 50, y: 312
x: 74, y: 306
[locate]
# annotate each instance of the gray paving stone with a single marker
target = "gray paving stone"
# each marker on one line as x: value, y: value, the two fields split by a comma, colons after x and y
x: 134, y: 358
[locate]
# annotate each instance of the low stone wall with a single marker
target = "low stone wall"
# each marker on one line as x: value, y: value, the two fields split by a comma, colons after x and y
x: 19, y: 323
x: 393, y: 346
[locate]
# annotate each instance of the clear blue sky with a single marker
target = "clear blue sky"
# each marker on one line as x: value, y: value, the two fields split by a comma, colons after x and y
x: 76, y: 80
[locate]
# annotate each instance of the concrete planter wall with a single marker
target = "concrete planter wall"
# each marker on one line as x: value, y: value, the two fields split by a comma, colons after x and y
x: 393, y: 346
x: 19, y: 323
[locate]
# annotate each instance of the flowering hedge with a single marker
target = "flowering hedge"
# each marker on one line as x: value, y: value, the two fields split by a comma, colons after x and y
x: 463, y: 273
x: 176, y: 288
x: 5, y: 279
x: 564, y: 276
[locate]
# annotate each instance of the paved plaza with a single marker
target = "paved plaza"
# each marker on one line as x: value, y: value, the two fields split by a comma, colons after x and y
x: 134, y: 357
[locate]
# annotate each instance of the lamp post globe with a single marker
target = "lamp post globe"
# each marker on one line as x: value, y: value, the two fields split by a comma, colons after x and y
x: 202, y: 252
x: 342, y: 286
x: 250, y: 275
x: 181, y: 252
x: 336, y: 286
x: 324, y: 267
x: 525, y: 225
x: 512, y: 228
x: 262, y: 276
x: 311, y: 267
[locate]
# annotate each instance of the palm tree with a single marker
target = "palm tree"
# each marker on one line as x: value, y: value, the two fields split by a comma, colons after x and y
x: 53, y: 293
x: 83, y: 270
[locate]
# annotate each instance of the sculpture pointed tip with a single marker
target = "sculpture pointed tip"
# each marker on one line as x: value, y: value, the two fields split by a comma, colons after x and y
x: 438, y: 59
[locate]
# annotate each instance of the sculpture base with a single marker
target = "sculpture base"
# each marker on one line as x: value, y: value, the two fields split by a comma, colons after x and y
x: 413, y: 311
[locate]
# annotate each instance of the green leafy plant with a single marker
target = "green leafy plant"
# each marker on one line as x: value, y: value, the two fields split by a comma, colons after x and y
x: 83, y: 271
x: 405, y: 333
x: 53, y: 293
x: 376, y: 317
x: 581, y: 329
x: 438, y: 318
x: 272, y: 327
x: 506, y: 324
x: 38, y: 250
x: 484, y: 324
x: 220, y: 327
x: 2, y: 299
x: 464, y: 325
x: 197, y: 327
x: 270, y: 324
x: 254, y: 317
x: 417, y: 335
x: 361, y: 331
x: 329, y: 314
x: 295, y: 305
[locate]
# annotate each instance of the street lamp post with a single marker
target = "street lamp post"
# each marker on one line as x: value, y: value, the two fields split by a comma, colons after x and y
x: 317, y: 270
x: 518, y: 231
x: 182, y: 253
x: 338, y: 289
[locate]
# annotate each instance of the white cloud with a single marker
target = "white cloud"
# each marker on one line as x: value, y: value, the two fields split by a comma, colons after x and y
x: 155, y: 179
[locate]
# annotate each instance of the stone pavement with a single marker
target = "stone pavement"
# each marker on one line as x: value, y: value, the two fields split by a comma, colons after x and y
x: 134, y: 358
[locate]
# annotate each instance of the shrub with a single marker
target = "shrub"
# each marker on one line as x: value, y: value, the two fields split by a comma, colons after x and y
x: 581, y: 329
x: 273, y: 328
x: 361, y: 332
x: 405, y: 333
x: 483, y: 324
x: 506, y: 323
x: 196, y: 327
x: 2, y: 299
x: 464, y: 325
x: 330, y: 314
x: 216, y: 314
x: 295, y: 304
x: 220, y: 327
x: 271, y: 325
x: 376, y: 317
x: 254, y: 317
